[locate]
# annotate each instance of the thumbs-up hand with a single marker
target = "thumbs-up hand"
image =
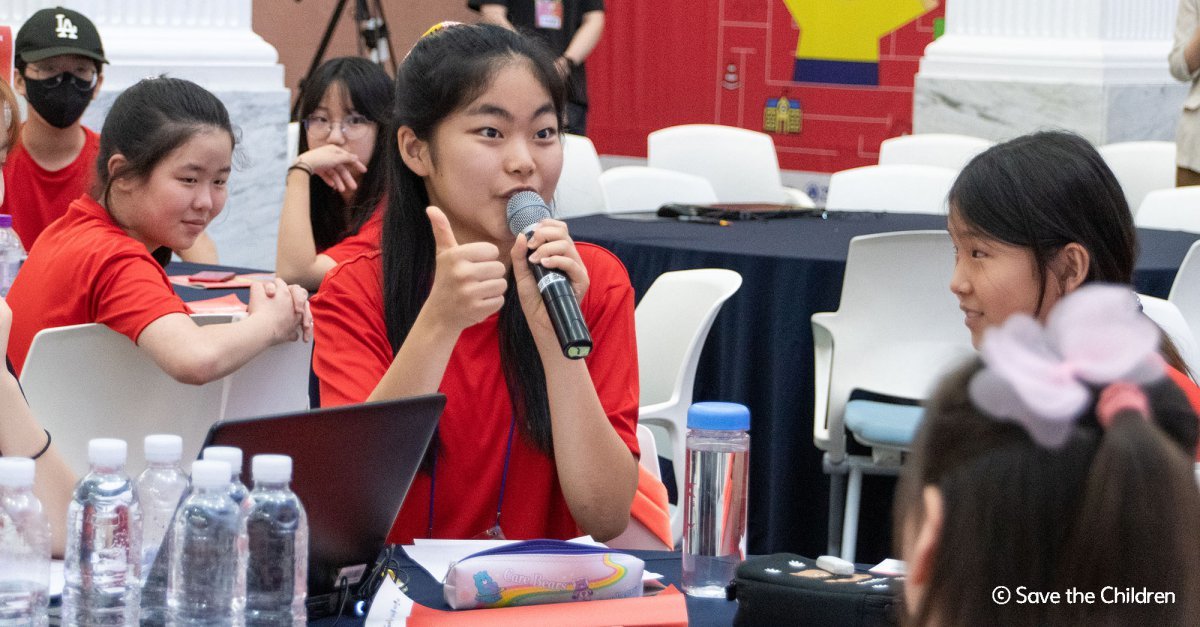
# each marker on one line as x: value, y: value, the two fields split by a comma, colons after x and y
x: 469, y: 283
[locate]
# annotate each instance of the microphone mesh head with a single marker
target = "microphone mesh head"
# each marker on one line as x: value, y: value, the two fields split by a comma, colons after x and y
x: 526, y: 209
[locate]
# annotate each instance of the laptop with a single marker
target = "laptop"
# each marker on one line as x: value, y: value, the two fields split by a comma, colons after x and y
x: 351, y: 467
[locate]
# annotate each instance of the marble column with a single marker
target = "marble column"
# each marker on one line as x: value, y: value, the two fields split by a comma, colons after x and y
x: 1008, y: 67
x: 209, y: 42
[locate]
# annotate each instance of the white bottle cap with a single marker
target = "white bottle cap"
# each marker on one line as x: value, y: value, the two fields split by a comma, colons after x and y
x: 106, y: 452
x: 229, y: 454
x: 210, y: 473
x: 16, y: 472
x: 163, y: 449
x: 272, y: 468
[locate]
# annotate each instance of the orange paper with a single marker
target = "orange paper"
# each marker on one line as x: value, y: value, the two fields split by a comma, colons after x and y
x: 241, y: 280
x: 228, y: 303
x: 665, y: 608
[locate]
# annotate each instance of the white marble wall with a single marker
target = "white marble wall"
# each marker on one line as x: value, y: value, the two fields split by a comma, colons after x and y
x: 1008, y: 67
x: 209, y: 42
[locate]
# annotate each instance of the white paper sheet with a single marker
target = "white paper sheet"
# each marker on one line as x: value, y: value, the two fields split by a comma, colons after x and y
x: 391, y: 606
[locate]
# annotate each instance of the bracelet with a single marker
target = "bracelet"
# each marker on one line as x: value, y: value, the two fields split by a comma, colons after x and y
x: 300, y: 165
x: 44, y: 448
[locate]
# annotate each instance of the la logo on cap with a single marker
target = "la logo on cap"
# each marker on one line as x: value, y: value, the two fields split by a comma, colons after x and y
x: 65, y: 29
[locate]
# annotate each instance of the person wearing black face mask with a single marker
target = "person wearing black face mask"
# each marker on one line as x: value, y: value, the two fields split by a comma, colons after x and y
x: 59, y: 59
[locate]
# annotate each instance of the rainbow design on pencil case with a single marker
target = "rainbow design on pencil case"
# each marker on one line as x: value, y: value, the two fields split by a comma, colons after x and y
x: 533, y: 595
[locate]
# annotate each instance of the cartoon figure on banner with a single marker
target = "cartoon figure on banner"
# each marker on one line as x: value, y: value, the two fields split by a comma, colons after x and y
x: 732, y: 79
x: 839, y: 41
x: 782, y: 115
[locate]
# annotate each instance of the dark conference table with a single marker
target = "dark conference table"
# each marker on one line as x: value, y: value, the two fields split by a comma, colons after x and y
x: 760, y: 350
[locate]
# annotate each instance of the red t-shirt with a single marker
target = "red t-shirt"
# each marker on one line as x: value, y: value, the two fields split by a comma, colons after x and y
x: 352, y: 353
x: 364, y: 241
x: 84, y: 268
x: 35, y: 197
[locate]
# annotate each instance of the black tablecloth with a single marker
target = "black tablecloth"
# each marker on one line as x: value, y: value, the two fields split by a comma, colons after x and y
x: 424, y: 590
x: 189, y: 294
x: 760, y: 350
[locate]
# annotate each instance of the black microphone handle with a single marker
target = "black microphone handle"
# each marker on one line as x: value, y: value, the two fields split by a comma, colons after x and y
x: 563, y: 308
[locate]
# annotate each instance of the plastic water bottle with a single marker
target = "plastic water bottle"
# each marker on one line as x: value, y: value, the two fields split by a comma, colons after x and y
x: 12, y: 254
x: 159, y: 489
x: 277, y: 530
x: 232, y: 456
x: 714, y: 515
x: 24, y: 547
x: 207, y: 585
x: 104, y: 533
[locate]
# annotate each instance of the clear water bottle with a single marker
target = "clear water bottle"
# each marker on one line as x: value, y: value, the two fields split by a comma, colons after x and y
x: 12, y: 254
x: 714, y: 515
x: 104, y: 533
x: 277, y: 530
x: 24, y: 547
x: 207, y: 584
x: 232, y: 456
x: 159, y: 489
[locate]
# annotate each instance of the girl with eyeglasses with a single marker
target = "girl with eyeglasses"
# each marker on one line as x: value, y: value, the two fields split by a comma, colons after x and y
x: 334, y: 198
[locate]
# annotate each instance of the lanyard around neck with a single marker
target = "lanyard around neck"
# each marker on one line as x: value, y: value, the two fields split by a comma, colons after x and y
x: 503, y: 481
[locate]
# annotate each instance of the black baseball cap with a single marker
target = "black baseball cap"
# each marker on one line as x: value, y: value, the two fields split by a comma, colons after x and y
x: 51, y: 32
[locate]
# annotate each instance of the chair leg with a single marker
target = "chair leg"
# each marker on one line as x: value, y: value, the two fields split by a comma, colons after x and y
x: 837, y: 509
x: 850, y: 524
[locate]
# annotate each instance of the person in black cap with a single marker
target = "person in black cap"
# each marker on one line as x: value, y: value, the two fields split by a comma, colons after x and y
x: 59, y: 63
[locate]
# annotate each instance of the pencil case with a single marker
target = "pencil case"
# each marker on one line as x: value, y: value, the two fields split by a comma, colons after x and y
x: 541, y: 571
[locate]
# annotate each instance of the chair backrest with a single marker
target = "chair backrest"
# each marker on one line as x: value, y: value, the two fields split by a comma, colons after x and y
x: 578, y: 192
x: 897, y: 330
x: 1175, y: 209
x: 672, y: 322
x: 649, y: 449
x: 1141, y: 167
x: 741, y: 164
x: 1185, y: 291
x: 88, y: 381
x: 293, y: 141
x: 945, y: 150
x: 642, y: 188
x: 898, y: 188
x: 1170, y: 319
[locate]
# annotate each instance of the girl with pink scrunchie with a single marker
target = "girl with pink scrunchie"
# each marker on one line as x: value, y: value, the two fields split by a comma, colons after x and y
x: 1059, y: 462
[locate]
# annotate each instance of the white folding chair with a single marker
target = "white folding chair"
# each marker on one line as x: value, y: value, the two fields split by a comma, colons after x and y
x: 897, y: 330
x: 1170, y: 319
x: 672, y: 322
x: 642, y: 188
x: 741, y: 164
x: 1141, y: 167
x: 88, y: 381
x: 293, y: 141
x: 578, y: 192
x: 945, y: 150
x: 897, y: 188
x: 1185, y: 291
x: 1175, y: 209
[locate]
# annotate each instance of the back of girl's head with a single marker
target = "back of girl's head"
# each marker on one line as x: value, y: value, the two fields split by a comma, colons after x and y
x: 1114, y: 505
x: 1043, y: 191
x: 150, y: 120
x: 367, y: 86
x: 10, y: 127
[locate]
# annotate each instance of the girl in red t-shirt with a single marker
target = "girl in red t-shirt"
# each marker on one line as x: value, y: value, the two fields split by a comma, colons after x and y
x: 531, y: 444
x: 335, y: 188
x: 165, y: 155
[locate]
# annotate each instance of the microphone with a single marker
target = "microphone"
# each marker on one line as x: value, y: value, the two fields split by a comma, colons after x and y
x: 525, y: 210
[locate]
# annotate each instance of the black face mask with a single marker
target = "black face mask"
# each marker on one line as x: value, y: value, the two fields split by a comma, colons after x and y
x: 61, y: 105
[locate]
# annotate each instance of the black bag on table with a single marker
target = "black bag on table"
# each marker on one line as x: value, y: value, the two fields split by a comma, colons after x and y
x: 787, y: 589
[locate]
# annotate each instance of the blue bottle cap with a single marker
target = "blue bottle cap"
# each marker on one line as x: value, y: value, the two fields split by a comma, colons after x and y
x: 715, y: 416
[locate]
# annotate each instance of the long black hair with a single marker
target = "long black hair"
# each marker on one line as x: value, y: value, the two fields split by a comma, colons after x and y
x: 444, y: 72
x: 370, y: 93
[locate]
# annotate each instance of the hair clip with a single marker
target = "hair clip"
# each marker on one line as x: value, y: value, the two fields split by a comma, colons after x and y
x: 1042, y: 377
x: 437, y: 27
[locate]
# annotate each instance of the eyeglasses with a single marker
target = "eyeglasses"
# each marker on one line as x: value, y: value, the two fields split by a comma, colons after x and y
x: 82, y: 79
x: 353, y: 126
